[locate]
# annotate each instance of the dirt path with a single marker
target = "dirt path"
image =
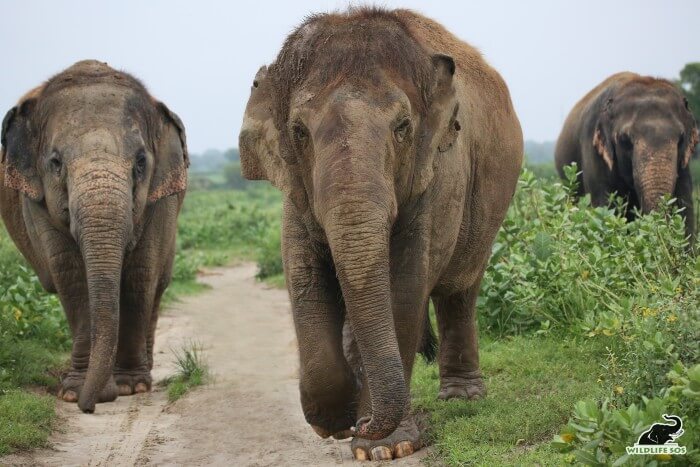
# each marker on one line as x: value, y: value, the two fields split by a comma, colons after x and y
x: 249, y: 415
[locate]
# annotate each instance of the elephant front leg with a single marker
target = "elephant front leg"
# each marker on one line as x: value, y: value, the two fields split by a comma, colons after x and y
x: 132, y: 369
x: 67, y: 272
x: 460, y: 375
x: 327, y: 384
x: 71, y: 285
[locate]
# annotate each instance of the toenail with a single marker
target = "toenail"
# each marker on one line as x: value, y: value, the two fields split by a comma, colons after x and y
x: 361, y: 454
x: 381, y: 453
x: 403, y: 449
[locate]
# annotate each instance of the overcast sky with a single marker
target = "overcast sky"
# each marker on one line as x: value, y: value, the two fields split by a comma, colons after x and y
x: 200, y: 57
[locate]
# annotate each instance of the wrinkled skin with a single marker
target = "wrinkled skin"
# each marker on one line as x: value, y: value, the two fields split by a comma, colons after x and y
x: 633, y: 136
x: 93, y: 175
x: 397, y: 175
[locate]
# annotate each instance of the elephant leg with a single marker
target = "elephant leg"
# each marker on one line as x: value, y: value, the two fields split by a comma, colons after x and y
x: 327, y: 383
x: 409, y: 302
x: 67, y: 274
x: 74, y: 298
x: 460, y: 376
x: 132, y: 370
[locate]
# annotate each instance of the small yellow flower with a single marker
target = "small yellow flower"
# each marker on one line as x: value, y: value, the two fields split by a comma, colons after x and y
x: 672, y: 318
x: 619, y: 389
x: 18, y: 314
x: 647, y: 312
x: 567, y: 437
x: 679, y: 290
x: 663, y: 457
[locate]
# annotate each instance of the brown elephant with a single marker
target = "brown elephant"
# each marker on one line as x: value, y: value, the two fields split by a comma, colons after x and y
x: 398, y: 151
x: 94, y: 172
x: 633, y: 136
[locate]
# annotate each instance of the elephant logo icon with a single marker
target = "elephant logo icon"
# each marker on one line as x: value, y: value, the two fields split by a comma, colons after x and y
x: 662, y: 433
x: 660, y: 438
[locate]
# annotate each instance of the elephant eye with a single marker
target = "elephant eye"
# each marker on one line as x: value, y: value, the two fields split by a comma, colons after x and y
x: 401, y: 131
x: 255, y: 83
x: 141, y: 161
x: 55, y: 162
x: 625, y: 141
x: 300, y: 133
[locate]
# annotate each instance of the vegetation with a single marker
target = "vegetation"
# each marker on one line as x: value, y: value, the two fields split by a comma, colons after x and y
x: 192, y: 371
x: 34, y: 339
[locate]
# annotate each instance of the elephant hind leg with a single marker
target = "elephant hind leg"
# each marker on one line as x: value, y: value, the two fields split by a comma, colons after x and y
x: 460, y: 375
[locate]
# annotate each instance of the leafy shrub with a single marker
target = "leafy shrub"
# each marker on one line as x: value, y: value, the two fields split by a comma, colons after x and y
x: 559, y: 262
x: 33, y: 329
x: 269, y: 256
x: 599, y: 433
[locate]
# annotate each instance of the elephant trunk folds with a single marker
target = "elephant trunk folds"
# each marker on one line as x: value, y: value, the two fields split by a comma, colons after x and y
x: 101, y: 222
x: 358, y: 234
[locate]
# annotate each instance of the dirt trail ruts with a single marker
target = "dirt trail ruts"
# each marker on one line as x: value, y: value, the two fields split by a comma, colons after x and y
x: 249, y: 415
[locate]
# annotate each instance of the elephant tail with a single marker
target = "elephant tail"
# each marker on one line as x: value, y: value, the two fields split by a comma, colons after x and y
x: 429, y: 342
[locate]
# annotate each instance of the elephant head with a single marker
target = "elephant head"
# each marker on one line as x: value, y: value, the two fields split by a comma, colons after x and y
x: 359, y: 122
x: 646, y: 134
x: 92, y: 149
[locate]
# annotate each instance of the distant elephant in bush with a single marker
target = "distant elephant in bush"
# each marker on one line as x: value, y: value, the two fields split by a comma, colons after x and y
x: 398, y: 152
x: 94, y: 172
x: 634, y: 136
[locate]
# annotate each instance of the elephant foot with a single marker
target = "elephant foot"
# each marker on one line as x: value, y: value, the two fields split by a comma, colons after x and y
x: 132, y: 382
x: 470, y: 387
x: 404, y: 441
x: 72, y: 383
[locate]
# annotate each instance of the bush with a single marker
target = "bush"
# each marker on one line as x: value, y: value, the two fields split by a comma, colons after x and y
x: 269, y: 256
x: 558, y: 262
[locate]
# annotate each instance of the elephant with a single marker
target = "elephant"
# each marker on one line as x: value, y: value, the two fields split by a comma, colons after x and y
x: 397, y: 150
x: 662, y: 433
x: 262, y: 141
x: 633, y: 136
x: 93, y: 175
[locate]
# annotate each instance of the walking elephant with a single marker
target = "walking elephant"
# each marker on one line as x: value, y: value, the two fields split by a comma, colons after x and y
x: 633, y: 136
x: 398, y: 151
x: 94, y: 172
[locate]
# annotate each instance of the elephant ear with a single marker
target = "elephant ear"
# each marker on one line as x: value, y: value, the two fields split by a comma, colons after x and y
x: 19, y: 154
x: 171, y: 158
x: 258, y: 141
x: 690, y: 147
x: 602, y: 140
x: 693, y: 135
x: 441, y: 124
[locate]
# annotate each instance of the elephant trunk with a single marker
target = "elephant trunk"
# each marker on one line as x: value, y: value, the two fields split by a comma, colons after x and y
x: 676, y: 420
x: 101, y: 222
x: 655, y: 174
x: 356, y: 209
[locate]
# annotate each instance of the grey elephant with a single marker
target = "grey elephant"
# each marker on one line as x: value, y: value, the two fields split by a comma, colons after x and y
x: 93, y: 175
x: 633, y: 136
x: 398, y: 151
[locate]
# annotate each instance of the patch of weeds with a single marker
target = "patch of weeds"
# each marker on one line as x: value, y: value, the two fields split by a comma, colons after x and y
x: 192, y: 371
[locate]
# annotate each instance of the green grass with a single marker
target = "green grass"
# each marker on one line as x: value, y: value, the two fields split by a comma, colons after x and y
x: 531, y: 384
x: 192, y: 371
x: 26, y: 420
